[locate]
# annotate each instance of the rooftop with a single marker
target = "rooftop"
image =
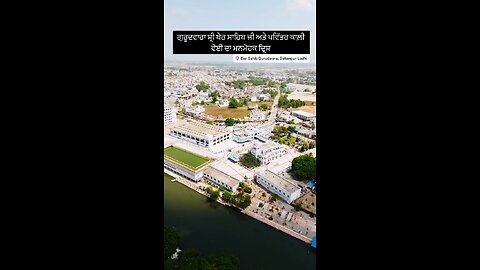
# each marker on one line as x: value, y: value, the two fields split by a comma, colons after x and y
x: 185, y: 158
x: 222, y: 176
x: 302, y: 113
x: 279, y: 181
x: 261, y: 138
x: 200, y: 129
x: 267, y: 145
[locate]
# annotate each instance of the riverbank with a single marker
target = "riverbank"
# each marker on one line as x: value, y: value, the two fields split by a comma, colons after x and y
x: 197, y: 187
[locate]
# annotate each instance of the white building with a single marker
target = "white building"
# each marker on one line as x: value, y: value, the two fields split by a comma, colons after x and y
x: 220, y: 178
x: 195, y: 111
x: 223, y: 103
x: 201, y: 134
x: 306, y: 116
x: 264, y: 96
x: 253, y: 99
x: 207, y: 99
x: 179, y: 165
x: 278, y: 185
x: 267, y: 152
x: 256, y: 115
x: 169, y: 113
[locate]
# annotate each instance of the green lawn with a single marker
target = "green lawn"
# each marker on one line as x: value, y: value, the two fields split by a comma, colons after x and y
x: 185, y: 157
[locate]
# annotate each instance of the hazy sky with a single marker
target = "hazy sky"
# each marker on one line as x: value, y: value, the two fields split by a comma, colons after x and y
x: 241, y: 15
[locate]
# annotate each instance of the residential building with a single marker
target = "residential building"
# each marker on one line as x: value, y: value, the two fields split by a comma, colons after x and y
x: 223, y: 103
x: 256, y: 115
x: 195, y: 111
x: 267, y: 152
x: 264, y: 97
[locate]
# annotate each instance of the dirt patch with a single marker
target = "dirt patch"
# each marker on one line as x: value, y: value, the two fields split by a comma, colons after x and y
x: 225, y: 112
x: 305, y: 96
x: 310, y: 109
x: 307, y: 200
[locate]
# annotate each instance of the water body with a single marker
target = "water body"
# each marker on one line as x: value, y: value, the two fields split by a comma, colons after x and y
x: 212, y: 228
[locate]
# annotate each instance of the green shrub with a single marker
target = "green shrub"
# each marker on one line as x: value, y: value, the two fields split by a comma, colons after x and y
x: 214, y: 195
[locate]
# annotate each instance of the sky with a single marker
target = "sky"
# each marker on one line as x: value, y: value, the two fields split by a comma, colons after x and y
x: 236, y: 15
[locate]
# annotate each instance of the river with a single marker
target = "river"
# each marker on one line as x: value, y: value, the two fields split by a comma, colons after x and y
x: 212, y: 228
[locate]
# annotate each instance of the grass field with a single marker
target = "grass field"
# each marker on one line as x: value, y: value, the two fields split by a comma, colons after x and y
x: 225, y: 112
x: 185, y: 157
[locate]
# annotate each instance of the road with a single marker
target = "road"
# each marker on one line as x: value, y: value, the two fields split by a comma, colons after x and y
x: 274, y: 110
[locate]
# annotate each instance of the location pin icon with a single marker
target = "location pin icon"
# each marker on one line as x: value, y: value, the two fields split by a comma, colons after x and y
x: 237, y: 57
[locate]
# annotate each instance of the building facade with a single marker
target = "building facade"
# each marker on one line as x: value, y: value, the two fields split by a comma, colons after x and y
x: 278, y: 185
x: 193, y: 175
x: 169, y: 114
x: 195, y: 111
x: 220, y: 178
x: 306, y: 116
x: 267, y: 152
x: 201, y: 134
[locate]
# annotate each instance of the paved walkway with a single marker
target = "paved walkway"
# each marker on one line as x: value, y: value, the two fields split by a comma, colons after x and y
x: 278, y: 227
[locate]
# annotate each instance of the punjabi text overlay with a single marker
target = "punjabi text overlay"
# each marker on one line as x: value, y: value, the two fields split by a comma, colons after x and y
x: 241, y: 42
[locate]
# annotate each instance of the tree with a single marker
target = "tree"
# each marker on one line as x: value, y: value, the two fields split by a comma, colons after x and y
x: 263, y: 107
x: 214, y: 195
x: 233, y: 103
x: 227, y: 196
x: 239, y: 84
x: 224, y: 262
x: 214, y: 94
x: 171, y: 241
x: 274, y: 197
x: 250, y: 161
x: 202, y: 86
x: 304, y: 167
x: 231, y: 121
x: 291, y: 128
x: 247, y: 189
x: 280, y: 130
x: 242, y: 200
x: 273, y: 93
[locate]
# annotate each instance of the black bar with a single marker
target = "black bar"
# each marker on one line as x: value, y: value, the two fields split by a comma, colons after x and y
x: 288, y: 46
